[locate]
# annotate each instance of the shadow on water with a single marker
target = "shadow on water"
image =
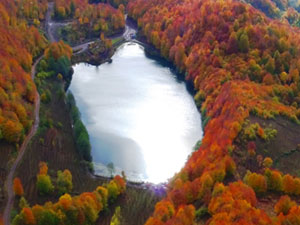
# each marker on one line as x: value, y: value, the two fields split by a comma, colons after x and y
x: 152, y: 53
x: 138, y: 110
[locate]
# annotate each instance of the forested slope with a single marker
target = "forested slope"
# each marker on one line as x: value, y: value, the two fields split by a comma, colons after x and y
x: 241, y: 63
x: 19, y: 45
x: 244, y: 62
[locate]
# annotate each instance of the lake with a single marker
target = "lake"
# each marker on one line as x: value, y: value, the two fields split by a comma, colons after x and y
x: 139, y: 116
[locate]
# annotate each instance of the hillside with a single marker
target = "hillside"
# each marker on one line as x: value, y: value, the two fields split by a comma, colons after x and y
x: 243, y: 61
x: 20, y: 45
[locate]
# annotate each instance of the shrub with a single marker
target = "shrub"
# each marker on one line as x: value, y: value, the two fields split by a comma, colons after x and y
x: 44, y: 184
x: 274, y: 180
x: 256, y: 181
x: 23, y: 203
x: 284, y: 205
x: 201, y: 212
x: 64, y: 182
x: 268, y: 162
x: 288, y: 183
x: 18, y: 187
x: 113, y: 191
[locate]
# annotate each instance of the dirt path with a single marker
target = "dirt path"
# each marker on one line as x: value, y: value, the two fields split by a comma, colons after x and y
x: 50, y: 27
x: 9, y: 180
x: 49, y: 24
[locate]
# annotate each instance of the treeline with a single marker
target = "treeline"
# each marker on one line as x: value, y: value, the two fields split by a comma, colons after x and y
x: 91, y: 19
x: 56, y: 63
x: 19, y: 45
x: 80, y: 132
x: 286, y: 11
x: 115, y: 3
x: 34, y: 11
x: 240, y: 62
x: 82, y: 209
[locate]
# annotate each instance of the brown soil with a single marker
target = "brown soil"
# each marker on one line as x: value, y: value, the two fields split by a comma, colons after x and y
x: 7, y: 154
x: 56, y: 146
x: 283, y: 149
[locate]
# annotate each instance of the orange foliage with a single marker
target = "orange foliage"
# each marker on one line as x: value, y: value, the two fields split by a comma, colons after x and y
x: 32, y: 9
x: 274, y: 180
x: 120, y: 183
x: 284, y: 205
x: 28, y: 216
x: 290, y: 185
x: 92, y: 19
x: 19, y: 44
x: 235, y: 204
x: 43, y: 168
x: 18, y: 187
x: 292, y: 218
x: 268, y: 162
x: 57, y: 50
x: 234, y: 55
x: 256, y: 181
x: 85, y: 208
x: 154, y: 221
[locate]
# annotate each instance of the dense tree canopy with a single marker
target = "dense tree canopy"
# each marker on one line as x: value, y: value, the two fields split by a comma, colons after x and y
x: 91, y: 20
x: 19, y: 44
x: 81, y: 209
x: 241, y: 62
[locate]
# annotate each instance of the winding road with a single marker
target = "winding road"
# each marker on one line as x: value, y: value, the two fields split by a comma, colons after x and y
x: 50, y: 27
x: 9, y: 180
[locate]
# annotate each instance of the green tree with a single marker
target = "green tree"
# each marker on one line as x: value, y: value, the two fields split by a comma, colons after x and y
x: 48, y: 218
x: 64, y: 182
x: 23, y: 203
x: 72, y: 8
x: 82, y: 140
x: 113, y: 191
x: 115, y: 220
x: 270, y: 66
x: 244, y: 43
x: 44, y: 184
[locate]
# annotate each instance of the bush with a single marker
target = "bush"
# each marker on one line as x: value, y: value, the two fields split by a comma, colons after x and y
x: 44, y: 184
x: 284, y: 205
x: 18, y: 187
x: 113, y: 191
x: 268, y: 162
x: 64, y: 182
x: 201, y: 212
x: 274, y: 180
x: 23, y: 203
x: 256, y: 181
x: 288, y: 183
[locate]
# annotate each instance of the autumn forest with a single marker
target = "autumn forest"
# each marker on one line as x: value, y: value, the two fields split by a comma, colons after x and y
x: 242, y: 59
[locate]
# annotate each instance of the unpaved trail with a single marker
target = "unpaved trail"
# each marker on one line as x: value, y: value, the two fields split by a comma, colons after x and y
x: 129, y: 32
x: 9, y: 180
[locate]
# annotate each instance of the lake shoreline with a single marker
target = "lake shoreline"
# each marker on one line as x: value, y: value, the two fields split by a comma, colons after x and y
x: 152, y: 53
x: 138, y: 91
